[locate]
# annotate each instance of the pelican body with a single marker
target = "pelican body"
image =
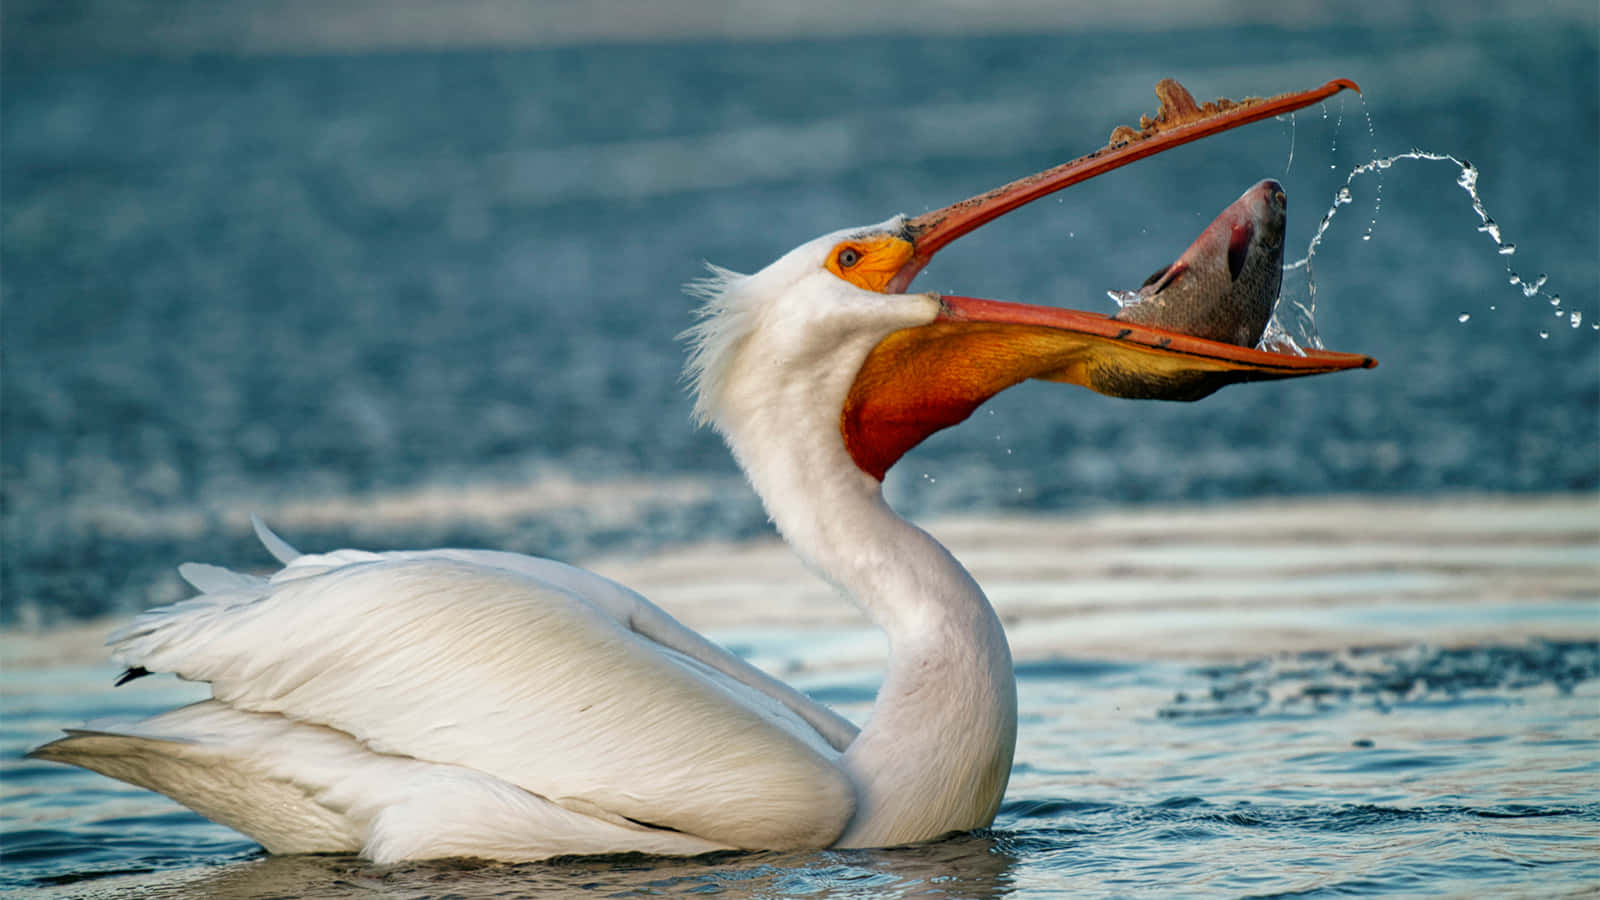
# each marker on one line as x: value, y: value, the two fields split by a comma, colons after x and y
x: 435, y: 703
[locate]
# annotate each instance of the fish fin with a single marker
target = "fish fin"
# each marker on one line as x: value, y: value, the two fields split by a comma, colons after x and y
x: 1239, y: 247
x: 1169, y: 276
x: 1157, y: 275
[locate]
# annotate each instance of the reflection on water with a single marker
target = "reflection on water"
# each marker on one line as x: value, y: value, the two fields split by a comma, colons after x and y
x: 1395, y: 772
x: 976, y: 866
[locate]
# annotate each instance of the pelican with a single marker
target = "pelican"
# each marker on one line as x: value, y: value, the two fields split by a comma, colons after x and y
x: 474, y: 703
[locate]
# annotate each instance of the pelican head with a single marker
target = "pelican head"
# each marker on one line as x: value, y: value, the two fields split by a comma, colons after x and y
x: 827, y: 338
x: 802, y: 325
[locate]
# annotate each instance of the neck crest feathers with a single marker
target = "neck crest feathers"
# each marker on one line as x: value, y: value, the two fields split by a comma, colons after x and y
x: 722, y: 322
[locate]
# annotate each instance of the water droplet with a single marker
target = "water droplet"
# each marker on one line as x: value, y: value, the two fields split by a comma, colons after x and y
x: 1515, y: 278
x: 1366, y: 237
x: 1343, y: 196
x: 1576, y: 319
x: 1492, y: 307
x: 1560, y: 313
x: 1463, y: 317
x: 1544, y: 335
x: 1555, y: 299
x: 1508, y: 249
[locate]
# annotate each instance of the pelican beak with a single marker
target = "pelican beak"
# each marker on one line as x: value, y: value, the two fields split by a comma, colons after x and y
x: 920, y: 380
x: 1179, y: 121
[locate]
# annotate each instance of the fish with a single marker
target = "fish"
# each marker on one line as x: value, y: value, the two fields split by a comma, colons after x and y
x: 1225, y: 286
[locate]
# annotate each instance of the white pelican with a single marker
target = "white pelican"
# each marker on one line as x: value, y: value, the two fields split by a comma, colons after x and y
x: 437, y: 703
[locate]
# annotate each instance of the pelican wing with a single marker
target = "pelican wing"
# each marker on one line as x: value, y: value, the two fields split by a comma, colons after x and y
x: 524, y: 670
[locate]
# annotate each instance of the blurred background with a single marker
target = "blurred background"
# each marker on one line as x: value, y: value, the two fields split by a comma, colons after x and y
x: 409, y: 273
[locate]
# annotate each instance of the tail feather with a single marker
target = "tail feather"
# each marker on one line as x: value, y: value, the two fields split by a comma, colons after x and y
x: 301, y: 788
x: 230, y: 782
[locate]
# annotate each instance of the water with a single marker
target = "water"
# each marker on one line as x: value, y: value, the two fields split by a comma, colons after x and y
x: 1294, y: 320
x: 243, y: 282
x: 1414, y: 771
x: 425, y: 292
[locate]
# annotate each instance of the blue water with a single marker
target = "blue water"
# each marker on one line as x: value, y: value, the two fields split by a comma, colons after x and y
x: 1364, y: 772
x: 235, y: 281
x: 232, y: 281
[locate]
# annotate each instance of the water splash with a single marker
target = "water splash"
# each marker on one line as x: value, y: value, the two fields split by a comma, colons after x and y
x: 1467, y: 180
x: 1278, y: 340
x: 1338, y: 124
x: 1123, y: 298
x: 1372, y: 152
x: 1290, y: 164
x: 1292, y: 326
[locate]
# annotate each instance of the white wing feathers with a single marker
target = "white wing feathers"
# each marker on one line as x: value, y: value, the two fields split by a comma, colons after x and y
x: 515, y: 670
x: 277, y: 546
x: 208, y: 579
x: 299, y: 788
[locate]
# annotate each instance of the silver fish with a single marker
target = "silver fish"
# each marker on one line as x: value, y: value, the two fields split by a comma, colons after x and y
x: 1224, y: 287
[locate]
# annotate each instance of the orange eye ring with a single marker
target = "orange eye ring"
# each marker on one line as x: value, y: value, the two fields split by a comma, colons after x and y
x: 869, y: 262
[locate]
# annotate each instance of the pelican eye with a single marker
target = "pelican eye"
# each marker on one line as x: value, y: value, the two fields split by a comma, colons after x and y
x: 869, y: 262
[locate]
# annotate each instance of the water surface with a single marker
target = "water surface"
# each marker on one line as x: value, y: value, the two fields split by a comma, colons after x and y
x: 366, y: 279
x: 1413, y: 771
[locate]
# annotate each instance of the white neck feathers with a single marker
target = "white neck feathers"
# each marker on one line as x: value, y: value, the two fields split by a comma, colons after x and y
x: 771, y: 372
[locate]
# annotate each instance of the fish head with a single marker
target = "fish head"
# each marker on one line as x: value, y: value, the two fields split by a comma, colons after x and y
x: 1225, y: 285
